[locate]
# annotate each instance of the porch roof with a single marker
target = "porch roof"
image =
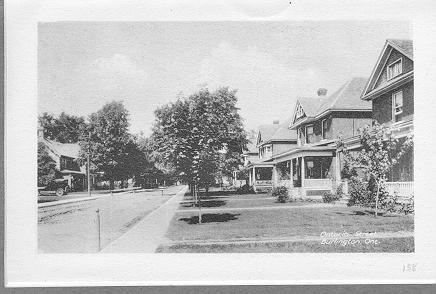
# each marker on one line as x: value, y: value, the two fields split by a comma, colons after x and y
x: 305, y: 151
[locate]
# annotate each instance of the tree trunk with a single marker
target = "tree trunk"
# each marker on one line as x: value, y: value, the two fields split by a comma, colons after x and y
x: 376, y: 199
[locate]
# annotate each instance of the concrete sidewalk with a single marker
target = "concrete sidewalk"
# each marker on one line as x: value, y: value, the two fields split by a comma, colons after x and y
x: 148, y: 234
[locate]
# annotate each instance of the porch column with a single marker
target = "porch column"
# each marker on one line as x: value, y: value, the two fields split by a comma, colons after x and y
x: 303, y: 189
x: 250, y: 182
x: 254, y: 176
x: 337, y: 168
x: 274, y: 176
x: 291, y: 185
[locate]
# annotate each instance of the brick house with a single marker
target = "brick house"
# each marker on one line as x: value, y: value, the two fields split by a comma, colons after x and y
x: 390, y: 89
x: 313, y: 167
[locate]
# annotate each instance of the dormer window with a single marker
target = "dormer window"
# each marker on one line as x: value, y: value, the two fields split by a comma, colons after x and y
x: 394, y: 69
x: 397, y: 105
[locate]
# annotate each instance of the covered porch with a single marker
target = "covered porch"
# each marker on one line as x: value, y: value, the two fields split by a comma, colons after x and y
x: 307, y: 171
x: 260, y: 176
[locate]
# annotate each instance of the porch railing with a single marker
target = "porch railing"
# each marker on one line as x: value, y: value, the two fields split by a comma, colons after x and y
x: 263, y: 182
x: 402, y: 189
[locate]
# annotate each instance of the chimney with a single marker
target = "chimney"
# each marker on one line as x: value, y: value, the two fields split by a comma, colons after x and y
x: 322, y: 92
x: 276, y: 122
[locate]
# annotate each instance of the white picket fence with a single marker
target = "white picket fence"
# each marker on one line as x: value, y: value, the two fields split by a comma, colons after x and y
x: 402, y: 189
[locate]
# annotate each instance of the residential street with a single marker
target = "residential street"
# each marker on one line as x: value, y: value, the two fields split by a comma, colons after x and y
x: 72, y: 227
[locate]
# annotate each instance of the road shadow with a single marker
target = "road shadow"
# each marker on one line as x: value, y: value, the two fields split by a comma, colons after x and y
x: 211, y: 218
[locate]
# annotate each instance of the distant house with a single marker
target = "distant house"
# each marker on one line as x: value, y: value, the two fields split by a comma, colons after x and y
x: 390, y: 89
x: 314, y: 166
x: 65, y: 155
x: 271, y: 140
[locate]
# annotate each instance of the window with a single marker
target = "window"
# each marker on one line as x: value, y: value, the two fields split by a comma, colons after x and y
x: 397, y: 105
x: 394, y: 69
x: 309, y: 134
x: 317, y: 167
x: 324, y: 128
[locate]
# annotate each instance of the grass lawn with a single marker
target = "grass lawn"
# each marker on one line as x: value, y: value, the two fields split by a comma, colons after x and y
x: 295, y: 223
x: 238, y: 202
x: 281, y: 223
x: 386, y: 245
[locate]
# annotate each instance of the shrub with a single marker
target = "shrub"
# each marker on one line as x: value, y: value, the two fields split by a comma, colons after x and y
x: 328, y: 197
x: 409, y: 206
x: 340, y: 191
x: 358, y: 191
x: 246, y: 189
x: 281, y: 193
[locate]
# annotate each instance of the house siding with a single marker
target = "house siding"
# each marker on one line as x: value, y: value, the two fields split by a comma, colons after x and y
x: 382, y: 105
x: 407, y: 66
x: 344, y: 124
x: 280, y: 147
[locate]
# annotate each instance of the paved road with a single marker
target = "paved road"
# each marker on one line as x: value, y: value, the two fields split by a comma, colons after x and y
x: 72, y: 227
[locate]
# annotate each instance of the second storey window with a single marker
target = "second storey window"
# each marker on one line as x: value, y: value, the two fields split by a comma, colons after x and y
x: 309, y: 134
x: 324, y: 128
x: 394, y: 69
x: 397, y: 105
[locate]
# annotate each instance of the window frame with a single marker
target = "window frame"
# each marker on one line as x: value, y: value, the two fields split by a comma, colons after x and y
x: 394, y: 107
x: 306, y: 135
x: 323, y: 121
x: 400, y: 61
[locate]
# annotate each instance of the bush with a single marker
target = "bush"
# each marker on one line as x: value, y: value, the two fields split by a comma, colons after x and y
x: 409, y: 206
x: 281, y: 193
x: 246, y: 189
x: 358, y: 191
x: 340, y: 191
x: 329, y: 197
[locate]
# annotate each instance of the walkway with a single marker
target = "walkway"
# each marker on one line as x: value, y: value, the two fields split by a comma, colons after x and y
x: 147, y: 235
x: 313, y: 205
x: 381, y: 235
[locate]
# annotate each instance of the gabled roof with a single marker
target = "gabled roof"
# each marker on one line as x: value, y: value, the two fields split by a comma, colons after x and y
x: 346, y: 98
x: 266, y: 132
x: 251, y: 148
x: 405, y: 47
x: 63, y: 149
x: 402, y: 45
x: 283, y: 133
x: 311, y: 105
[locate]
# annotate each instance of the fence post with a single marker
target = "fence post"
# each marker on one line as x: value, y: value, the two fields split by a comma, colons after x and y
x: 98, y: 229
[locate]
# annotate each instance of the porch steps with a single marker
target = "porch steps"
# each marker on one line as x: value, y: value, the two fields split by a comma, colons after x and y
x: 342, y: 201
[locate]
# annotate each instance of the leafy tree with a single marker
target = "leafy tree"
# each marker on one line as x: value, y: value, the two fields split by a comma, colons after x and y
x: 65, y: 128
x: 47, y: 171
x: 200, y: 135
x: 381, y: 151
x: 108, y: 142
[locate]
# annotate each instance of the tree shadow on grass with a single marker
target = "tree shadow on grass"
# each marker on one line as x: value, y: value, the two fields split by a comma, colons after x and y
x: 366, y: 212
x: 210, y: 203
x: 211, y: 218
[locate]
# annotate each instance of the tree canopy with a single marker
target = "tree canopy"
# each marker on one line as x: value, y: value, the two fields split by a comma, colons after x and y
x: 108, y: 141
x: 200, y: 135
x: 65, y: 128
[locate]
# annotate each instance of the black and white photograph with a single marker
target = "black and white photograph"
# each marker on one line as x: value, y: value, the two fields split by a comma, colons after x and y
x: 151, y: 144
x: 225, y: 137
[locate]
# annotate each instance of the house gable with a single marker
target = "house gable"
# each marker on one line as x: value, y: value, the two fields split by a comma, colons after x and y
x: 391, y: 54
x: 394, y: 56
x: 298, y: 113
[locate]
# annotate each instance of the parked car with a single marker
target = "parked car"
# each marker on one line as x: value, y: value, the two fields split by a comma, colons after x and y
x: 59, y: 187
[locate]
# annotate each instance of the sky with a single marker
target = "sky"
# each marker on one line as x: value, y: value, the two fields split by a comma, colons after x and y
x: 83, y: 65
